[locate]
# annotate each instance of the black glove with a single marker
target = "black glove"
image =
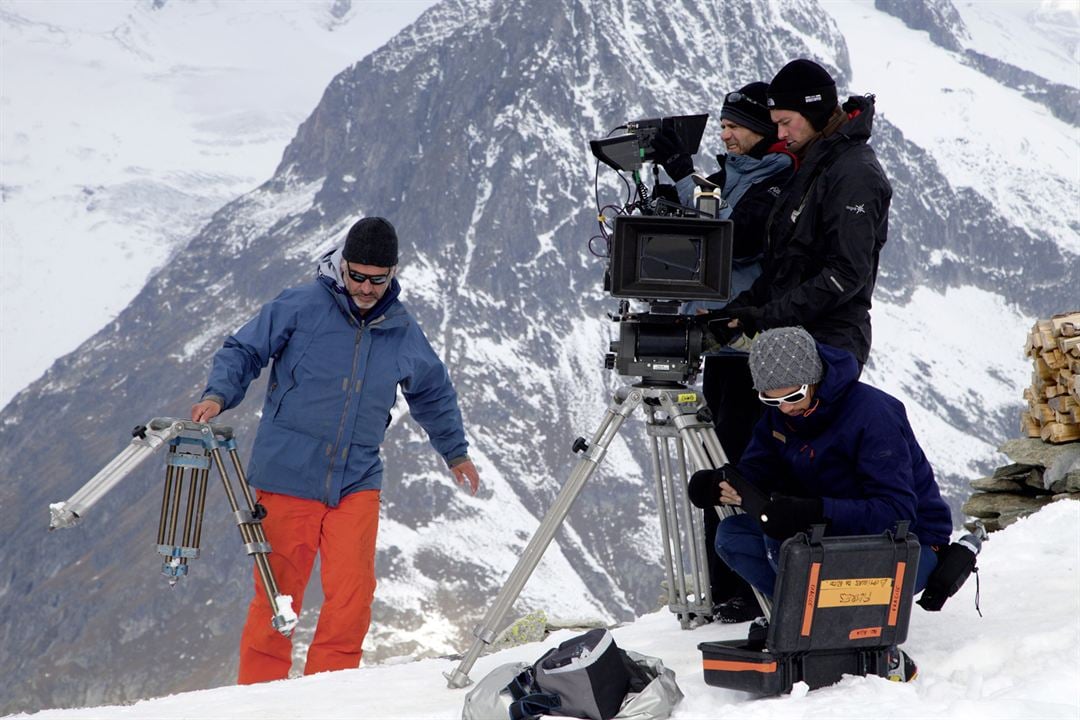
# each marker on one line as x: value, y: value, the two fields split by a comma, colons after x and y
x: 749, y: 318
x: 704, y: 488
x: 669, y: 151
x: 784, y: 516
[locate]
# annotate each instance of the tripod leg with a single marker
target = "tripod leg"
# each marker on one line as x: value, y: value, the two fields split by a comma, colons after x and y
x: 284, y: 619
x: 144, y: 443
x: 695, y: 533
x: 678, y: 600
x: 705, y: 451
x: 674, y: 590
x: 616, y: 414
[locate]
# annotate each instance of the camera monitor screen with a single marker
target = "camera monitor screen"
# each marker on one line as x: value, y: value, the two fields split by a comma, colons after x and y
x: 667, y: 258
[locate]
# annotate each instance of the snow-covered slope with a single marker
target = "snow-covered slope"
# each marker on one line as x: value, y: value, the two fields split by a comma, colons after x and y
x: 125, y: 125
x: 983, y: 134
x: 1040, y: 36
x: 1019, y: 660
x: 486, y: 175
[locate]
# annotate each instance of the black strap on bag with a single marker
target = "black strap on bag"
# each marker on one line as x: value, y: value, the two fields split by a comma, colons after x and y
x: 529, y: 701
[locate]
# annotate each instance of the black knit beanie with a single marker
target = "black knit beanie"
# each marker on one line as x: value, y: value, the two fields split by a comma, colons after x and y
x: 749, y: 106
x: 372, y: 241
x: 807, y: 88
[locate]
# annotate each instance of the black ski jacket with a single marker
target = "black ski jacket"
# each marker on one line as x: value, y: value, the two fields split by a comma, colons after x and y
x: 823, y: 239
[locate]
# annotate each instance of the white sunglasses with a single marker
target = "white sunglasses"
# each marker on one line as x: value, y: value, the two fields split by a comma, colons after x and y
x: 790, y: 398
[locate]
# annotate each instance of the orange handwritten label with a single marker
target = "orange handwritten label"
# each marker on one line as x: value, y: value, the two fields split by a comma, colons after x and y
x: 863, y: 633
x: 811, y: 595
x: 851, y: 592
x: 894, y: 605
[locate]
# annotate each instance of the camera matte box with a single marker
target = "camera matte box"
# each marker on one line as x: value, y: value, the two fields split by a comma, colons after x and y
x: 655, y: 257
x: 839, y: 604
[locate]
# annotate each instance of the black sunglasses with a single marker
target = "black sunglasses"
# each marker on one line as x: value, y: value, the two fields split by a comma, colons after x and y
x: 373, y: 279
x: 734, y: 97
x: 790, y: 399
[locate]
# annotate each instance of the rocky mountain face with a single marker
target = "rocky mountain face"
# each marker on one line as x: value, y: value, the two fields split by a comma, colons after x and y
x: 469, y: 131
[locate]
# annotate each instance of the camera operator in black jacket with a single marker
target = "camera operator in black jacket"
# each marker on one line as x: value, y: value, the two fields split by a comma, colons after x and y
x: 828, y: 226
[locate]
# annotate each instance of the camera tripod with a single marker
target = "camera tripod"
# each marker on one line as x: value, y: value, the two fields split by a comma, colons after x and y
x: 675, y: 420
x: 192, y: 447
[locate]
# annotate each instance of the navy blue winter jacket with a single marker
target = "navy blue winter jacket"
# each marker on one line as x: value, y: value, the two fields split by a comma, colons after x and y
x: 333, y: 381
x: 856, y: 450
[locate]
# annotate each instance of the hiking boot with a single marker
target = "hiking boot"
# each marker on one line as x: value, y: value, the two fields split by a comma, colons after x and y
x: 901, y: 668
x: 735, y: 610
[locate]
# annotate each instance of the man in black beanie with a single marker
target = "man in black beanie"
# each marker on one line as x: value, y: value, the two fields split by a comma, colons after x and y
x: 829, y: 224
x: 340, y: 347
x: 757, y: 165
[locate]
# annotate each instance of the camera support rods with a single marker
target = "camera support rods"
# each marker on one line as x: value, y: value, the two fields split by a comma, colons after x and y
x: 192, y: 448
x: 673, y: 420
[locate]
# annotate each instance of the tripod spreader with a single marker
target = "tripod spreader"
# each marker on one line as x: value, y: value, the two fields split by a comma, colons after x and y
x: 192, y: 448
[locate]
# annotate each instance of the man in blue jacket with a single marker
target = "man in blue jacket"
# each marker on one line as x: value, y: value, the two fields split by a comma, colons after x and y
x: 830, y: 450
x: 341, y: 346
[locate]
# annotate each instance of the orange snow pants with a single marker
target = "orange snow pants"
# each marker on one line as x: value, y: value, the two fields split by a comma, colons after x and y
x: 297, y: 529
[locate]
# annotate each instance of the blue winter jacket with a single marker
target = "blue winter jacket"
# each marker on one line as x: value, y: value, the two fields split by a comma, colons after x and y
x: 333, y: 381
x: 856, y: 450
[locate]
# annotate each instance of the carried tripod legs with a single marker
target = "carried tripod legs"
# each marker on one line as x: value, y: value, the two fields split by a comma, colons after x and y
x: 693, y: 437
x: 192, y: 447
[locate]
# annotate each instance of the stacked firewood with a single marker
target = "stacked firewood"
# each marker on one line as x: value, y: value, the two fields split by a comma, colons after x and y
x: 1046, y: 464
x: 1053, y: 412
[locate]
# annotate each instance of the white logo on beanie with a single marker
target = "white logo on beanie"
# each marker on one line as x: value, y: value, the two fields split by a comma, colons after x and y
x: 812, y: 98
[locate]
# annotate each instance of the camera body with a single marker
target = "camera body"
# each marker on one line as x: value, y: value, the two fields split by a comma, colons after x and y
x: 665, y: 261
x: 665, y: 255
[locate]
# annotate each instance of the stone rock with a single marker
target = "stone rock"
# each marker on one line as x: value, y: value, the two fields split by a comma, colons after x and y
x: 996, y: 505
x: 1003, y: 485
x: 527, y: 629
x: 1030, y: 475
x: 1063, y: 476
x: 1067, y: 496
x: 1033, y: 451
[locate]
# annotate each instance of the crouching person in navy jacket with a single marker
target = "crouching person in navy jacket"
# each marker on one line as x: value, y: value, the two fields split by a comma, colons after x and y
x: 341, y: 346
x: 829, y: 449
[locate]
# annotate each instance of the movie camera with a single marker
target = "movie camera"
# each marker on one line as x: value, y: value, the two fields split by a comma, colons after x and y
x: 661, y: 252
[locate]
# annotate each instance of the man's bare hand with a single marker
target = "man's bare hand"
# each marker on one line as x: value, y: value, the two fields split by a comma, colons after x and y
x: 728, y: 495
x: 466, y: 472
x: 205, y: 411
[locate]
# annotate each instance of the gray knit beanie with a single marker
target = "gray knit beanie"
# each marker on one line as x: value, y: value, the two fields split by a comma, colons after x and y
x: 784, y: 357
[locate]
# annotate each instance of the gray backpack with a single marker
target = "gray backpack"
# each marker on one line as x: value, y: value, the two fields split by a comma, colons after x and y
x: 587, y: 676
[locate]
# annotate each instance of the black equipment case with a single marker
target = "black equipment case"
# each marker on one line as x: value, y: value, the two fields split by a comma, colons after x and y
x: 839, y: 604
